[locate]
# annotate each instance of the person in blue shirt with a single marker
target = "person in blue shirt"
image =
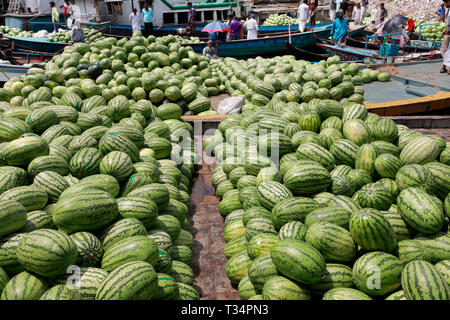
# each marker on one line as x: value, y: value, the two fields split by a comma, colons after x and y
x: 147, y: 13
x: 339, y: 28
x: 213, y: 36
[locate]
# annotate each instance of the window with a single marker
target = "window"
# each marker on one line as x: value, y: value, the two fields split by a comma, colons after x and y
x: 198, y: 16
x: 114, y: 7
x: 182, y: 17
x: 208, y: 15
x: 219, y: 15
x: 169, y: 17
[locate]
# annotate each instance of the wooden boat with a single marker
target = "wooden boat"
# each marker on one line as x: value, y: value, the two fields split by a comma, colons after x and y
x: 8, y: 71
x: 412, y: 46
x: 36, y: 44
x: 265, y: 45
x: 305, y: 54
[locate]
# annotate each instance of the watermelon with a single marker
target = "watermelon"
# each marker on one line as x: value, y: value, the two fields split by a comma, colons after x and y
x: 281, y: 288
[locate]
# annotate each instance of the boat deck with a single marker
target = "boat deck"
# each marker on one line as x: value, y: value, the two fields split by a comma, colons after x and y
x: 410, y: 80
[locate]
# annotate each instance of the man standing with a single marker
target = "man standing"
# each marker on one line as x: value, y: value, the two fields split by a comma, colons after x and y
x: 441, y: 13
x: 339, y: 28
x: 382, y: 13
x: 236, y: 29
x: 364, y: 4
x: 356, y: 14
x: 446, y: 39
x: 67, y: 10
x: 332, y: 10
x: 302, y: 15
x: 191, y: 19
x: 55, y: 15
x: 312, y: 9
x: 135, y: 21
x: 374, y: 17
x: 147, y: 14
x: 252, y: 28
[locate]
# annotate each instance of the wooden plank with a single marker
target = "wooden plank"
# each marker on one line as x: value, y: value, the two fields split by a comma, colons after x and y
x: 438, y: 101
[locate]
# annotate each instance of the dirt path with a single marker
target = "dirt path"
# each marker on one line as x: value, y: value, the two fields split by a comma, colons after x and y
x: 207, y: 227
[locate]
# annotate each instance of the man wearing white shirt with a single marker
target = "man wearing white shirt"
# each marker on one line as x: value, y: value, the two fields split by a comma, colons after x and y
x: 302, y: 15
x: 252, y: 28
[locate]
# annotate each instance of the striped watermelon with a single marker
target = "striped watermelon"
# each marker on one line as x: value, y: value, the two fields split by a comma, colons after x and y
x: 372, y: 231
x: 237, y: 267
x: 46, y: 252
x: 135, y: 248
x: 410, y: 142
x: 444, y: 268
x: 344, y: 152
x: 38, y: 220
x: 135, y: 280
x: 167, y: 288
x: 32, y: 198
x: 356, y: 130
x: 420, y: 210
x: 298, y: 260
x: 272, y: 192
x: 52, y: 183
x: 89, y: 249
x: 440, y: 173
x: 399, y: 295
x: 60, y: 292
x: 292, y: 230
x: 117, y: 164
x: 344, y: 202
x: 377, y: 273
x: 410, y: 249
x: 235, y: 246
x: 181, y: 272
x: 86, y: 211
x: 260, y: 270
x: 312, y: 151
x: 24, y: 286
x: 292, y: 209
x: 187, y: 292
x: 246, y: 289
x: 118, y: 142
x: 387, y: 165
x: 145, y: 210
x: 422, y: 281
x: 365, y: 158
x: 233, y: 230
x: 414, y: 175
x: 259, y: 245
x: 85, y: 162
x: 374, y: 195
x: 307, y: 178
x: 336, y: 276
x: 13, y: 216
x: 162, y: 239
x: 22, y: 151
x: 385, y: 129
x: 257, y: 226
x: 309, y: 121
x: 154, y: 191
x: 181, y: 253
x: 332, y: 241
x: 345, y: 294
x: 281, y: 288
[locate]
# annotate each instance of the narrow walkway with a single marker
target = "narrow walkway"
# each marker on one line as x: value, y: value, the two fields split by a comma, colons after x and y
x: 207, y: 226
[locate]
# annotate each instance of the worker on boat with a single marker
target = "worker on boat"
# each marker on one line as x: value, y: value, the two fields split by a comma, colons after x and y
x: 302, y: 15
x: 312, y: 10
x: 446, y: 39
x: 147, y: 14
x: 252, y: 28
x: 356, y: 14
x: 67, y: 10
x: 441, y: 13
x: 77, y: 32
x: 382, y: 13
x: 135, y: 20
x: 209, y: 51
x: 236, y: 29
x: 55, y: 15
x: 191, y: 19
x: 364, y: 5
x: 374, y: 18
x: 339, y: 28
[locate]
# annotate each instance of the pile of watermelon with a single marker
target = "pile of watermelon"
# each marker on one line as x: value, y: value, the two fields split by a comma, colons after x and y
x: 296, y: 80
x: 323, y: 199
x: 95, y: 173
x: 65, y: 37
x: 279, y: 20
x: 15, y: 32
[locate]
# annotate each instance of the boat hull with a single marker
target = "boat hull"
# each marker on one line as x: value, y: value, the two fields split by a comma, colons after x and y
x: 264, y: 45
x: 11, y: 71
x: 37, y: 44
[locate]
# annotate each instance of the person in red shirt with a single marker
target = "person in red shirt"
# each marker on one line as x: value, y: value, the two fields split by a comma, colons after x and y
x: 411, y: 25
x: 312, y: 9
